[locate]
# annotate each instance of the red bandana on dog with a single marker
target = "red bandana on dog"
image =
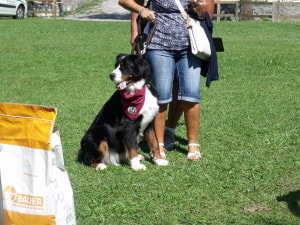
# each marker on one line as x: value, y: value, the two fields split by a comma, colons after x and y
x: 133, y: 103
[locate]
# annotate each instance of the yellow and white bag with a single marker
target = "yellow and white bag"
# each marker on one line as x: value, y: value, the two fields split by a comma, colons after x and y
x: 34, y: 185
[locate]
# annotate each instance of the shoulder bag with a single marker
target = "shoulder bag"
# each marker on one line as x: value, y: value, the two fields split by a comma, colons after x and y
x: 200, y: 45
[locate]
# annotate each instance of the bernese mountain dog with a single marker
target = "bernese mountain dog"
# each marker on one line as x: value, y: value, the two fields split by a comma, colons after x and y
x: 124, y: 120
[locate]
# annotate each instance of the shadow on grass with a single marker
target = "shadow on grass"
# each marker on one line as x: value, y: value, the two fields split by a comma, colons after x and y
x: 292, y: 199
x: 107, y: 16
x: 181, y: 141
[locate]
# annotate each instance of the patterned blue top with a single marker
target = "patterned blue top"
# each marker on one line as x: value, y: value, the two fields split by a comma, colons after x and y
x: 171, y: 32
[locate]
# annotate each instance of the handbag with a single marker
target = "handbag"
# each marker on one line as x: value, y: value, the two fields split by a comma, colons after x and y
x: 199, y: 42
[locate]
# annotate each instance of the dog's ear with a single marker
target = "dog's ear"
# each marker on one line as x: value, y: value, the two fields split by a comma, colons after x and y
x: 119, y: 58
x: 141, y: 68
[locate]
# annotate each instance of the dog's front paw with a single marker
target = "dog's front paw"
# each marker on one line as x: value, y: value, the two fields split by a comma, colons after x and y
x: 138, y: 167
x: 141, y: 158
x: 101, y: 166
x: 136, y: 164
x: 160, y: 162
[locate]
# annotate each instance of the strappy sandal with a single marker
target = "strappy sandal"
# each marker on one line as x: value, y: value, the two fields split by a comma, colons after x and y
x: 195, y: 155
x: 160, y: 162
x: 162, y: 153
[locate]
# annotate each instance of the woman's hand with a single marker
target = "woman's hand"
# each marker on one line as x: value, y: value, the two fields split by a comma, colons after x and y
x: 199, y: 6
x: 147, y: 14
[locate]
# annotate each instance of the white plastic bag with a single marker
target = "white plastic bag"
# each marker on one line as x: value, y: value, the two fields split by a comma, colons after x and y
x: 34, y: 184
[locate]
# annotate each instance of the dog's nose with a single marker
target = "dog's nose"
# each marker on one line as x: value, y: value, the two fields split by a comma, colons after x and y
x: 112, y: 76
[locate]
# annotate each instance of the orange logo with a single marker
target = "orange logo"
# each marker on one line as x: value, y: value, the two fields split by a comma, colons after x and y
x: 10, y: 194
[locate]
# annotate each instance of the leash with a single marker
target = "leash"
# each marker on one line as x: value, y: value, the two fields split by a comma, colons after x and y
x: 142, y: 40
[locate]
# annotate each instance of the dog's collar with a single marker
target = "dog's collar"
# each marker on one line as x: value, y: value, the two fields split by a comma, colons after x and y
x: 132, y: 103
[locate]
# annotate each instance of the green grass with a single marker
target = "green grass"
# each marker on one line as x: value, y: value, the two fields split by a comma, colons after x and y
x: 249, y: 128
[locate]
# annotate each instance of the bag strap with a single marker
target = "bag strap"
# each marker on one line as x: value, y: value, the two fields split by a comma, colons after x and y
x: 182, y: 11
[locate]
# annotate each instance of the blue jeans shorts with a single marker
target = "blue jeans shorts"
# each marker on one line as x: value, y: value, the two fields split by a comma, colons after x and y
x: 169, y: 65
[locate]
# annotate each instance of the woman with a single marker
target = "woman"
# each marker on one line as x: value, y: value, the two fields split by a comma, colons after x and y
x: 169, y: 50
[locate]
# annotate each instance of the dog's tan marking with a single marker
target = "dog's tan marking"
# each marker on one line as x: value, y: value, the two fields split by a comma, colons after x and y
x: 132, y: 153
x: 102, y: 148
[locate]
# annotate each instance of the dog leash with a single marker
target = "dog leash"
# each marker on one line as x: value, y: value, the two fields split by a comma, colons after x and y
x: 139, y: 38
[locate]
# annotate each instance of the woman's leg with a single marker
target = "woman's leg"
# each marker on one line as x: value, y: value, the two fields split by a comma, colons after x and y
x: 189, y: 93
x: 162, y: 68
x: 192, y: 120
x: 175, y: 108
x: 159, y: 126
x: 174, y: 114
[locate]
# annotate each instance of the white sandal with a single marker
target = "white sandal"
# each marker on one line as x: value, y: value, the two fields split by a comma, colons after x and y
x: 160, y: 162
x: 195, y: 155
x: 162, y: 153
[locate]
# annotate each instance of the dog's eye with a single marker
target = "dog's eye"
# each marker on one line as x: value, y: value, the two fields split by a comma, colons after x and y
x: 122, y: 64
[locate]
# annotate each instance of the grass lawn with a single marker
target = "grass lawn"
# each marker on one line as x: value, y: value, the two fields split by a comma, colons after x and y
x: 250, y: 123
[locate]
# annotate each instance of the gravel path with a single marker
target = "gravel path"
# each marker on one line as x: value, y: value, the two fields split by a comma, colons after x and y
x: 107, y: 10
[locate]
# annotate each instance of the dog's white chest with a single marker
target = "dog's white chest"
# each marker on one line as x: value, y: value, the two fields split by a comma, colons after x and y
x: 149, y: 110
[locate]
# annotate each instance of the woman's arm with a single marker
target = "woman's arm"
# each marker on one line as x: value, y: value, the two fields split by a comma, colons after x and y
x: 202, y: 6
x: 134, y: 28
x: 210, y: 7
x: 134, y: 6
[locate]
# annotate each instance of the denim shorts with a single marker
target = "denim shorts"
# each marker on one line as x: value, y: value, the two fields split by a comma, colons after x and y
x: 182, y: 65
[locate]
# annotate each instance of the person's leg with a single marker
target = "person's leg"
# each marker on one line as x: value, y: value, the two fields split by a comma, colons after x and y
x: 174, y: 114
x: 159, y: 127
x: 189, y: 92
x: 192, y: 119
x: 175, y: 108
x: 162, y: 67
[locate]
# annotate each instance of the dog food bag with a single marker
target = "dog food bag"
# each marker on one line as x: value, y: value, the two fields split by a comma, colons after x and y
x: 34, y: 184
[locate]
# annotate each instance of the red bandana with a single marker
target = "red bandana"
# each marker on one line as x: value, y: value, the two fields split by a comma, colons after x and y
x: 133, y: 103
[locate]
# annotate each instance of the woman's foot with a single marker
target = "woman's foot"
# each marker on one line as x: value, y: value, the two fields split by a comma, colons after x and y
x: 162, y: 150
x: 194, y: 152
x: 161, y: 161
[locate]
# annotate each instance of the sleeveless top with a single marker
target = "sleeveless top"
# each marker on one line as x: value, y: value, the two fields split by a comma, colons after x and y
x: 171, y: 32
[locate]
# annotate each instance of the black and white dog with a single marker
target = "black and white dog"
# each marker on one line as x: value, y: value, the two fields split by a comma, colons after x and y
x: 124, y: 120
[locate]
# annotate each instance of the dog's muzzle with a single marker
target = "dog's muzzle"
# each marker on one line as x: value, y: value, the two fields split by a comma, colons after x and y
x: 112, y: 76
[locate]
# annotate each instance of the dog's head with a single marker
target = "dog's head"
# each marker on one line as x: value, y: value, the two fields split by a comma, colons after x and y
x: 129, y: 71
